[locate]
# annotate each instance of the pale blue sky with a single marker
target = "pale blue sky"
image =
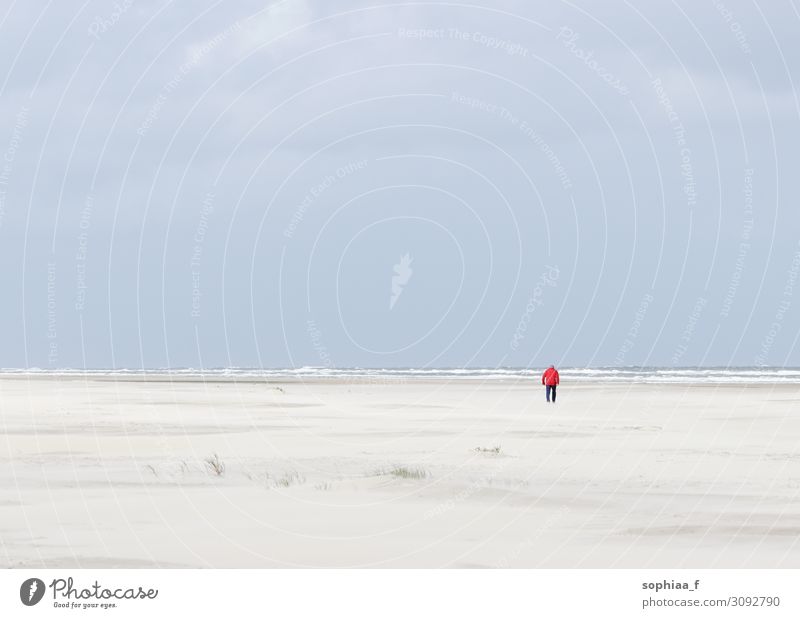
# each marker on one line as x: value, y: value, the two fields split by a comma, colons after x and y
x: 223, y: 184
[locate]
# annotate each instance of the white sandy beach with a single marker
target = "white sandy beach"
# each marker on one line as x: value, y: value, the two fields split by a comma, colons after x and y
x: 112, y: 473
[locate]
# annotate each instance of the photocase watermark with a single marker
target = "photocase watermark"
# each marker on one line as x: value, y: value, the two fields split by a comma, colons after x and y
x: 512, y: 48
x: 734, y: 26
x: 318, y: 189
x: 101, y: 25
x: 66, y: 595
x: 402, y: 275
x: 80, y: 255
x: 546, y: 280
x: 52, y: 332
x: 523, y: 126
x: 783, y: 307
x: 476, y: 103
x: 679, y: 133
x: 569, y: 39
x: 635, y: 327
x: 544, y: 147
x: 744, y: 245
x: 10, y: 155
x: 688, y: 330
x: 198, y: 53
x: 317, y: 343
x: 206, y: 208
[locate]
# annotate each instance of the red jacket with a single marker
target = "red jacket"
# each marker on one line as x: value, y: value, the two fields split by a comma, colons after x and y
x: 550, y: 377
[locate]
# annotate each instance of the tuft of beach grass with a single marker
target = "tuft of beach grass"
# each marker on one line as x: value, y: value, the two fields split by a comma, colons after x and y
x: 405, y: 472
x: 216, y: 465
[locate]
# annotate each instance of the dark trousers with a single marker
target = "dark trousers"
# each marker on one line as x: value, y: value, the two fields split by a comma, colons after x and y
x: 550, y: 388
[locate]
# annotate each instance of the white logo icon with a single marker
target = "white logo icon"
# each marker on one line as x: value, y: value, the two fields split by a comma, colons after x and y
x: 400, y: 279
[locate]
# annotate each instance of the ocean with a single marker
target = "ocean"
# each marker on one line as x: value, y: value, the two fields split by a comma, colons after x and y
x: 709, y: 375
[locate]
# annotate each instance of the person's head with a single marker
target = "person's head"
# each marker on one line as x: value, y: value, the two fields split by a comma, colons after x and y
x: 552, y: 367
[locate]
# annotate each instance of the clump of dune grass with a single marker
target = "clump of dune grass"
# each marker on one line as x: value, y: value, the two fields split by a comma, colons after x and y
x: 216, y: 465
x: 405, y: 472
x: 326, y: 486
x: 495, y: 450
x: 287, y: 479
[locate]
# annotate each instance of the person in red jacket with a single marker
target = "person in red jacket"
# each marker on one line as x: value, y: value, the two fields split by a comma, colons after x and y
x: 550, y: 381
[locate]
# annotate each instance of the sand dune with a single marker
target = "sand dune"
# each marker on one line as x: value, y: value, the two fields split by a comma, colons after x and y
x: 113, y: 473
